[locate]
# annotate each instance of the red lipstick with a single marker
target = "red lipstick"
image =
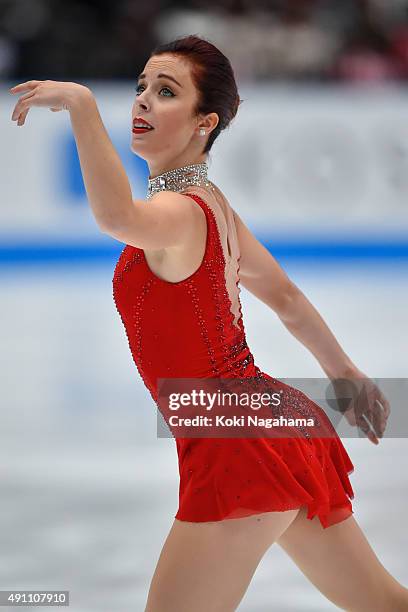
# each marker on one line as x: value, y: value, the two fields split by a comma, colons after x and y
x: 140, y: 126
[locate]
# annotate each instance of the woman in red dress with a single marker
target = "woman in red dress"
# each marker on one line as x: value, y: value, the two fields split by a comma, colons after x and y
x: 176, y: 288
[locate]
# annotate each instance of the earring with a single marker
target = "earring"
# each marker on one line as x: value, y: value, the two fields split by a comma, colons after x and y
x: 202, y: 132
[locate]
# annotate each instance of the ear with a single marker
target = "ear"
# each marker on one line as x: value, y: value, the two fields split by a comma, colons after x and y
x: 210, y: 122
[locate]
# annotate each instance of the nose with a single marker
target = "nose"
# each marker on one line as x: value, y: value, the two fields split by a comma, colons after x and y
x: 140, y: 101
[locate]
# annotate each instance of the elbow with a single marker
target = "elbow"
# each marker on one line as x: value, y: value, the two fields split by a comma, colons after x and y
x: 106, y: 228
x: 122, y: 225
x: 113, y: 232
x: 289, y: 305
x: 115, y: 228
x: 115, y: 223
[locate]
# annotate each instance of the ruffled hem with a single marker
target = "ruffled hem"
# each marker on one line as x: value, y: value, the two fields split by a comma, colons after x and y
x: 276, y: 476
x: 335, y: 515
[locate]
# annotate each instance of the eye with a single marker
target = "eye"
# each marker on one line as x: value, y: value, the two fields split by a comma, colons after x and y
x: 137, y: 88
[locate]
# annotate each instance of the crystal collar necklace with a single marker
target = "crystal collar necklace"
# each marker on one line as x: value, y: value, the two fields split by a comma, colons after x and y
x: 179, y: 178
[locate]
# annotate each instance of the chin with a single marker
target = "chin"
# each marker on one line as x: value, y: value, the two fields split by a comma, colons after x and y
x: 136, y: 147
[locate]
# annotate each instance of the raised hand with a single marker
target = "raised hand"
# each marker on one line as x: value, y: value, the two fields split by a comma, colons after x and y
x: 57, y: 95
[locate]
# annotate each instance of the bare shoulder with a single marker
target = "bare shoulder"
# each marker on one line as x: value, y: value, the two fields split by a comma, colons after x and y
x: 174, y: 202
x: 179, y: 260
x: 197, y: 227
x: 189, y: 247
x: 166, y: 220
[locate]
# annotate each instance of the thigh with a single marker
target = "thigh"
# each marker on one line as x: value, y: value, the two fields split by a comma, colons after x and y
x: 207, y: 567
x: 340, y: 562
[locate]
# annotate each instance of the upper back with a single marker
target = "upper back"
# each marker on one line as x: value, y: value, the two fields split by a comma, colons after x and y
x: 224, y: 217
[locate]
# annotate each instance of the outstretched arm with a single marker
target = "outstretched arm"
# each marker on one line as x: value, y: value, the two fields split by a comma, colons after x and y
x: 261, y: 274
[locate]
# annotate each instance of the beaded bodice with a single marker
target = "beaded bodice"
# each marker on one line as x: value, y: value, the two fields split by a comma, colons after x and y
x: 186, y: 328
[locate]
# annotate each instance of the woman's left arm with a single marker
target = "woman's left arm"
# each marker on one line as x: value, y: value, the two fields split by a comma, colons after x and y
x: 262, y: 275
x: 304, y: 322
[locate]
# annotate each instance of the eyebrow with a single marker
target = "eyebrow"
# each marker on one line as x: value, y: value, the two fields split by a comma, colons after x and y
x: 166, y: 76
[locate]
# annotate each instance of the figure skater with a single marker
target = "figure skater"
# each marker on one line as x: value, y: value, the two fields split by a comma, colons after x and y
x: 176, y: 288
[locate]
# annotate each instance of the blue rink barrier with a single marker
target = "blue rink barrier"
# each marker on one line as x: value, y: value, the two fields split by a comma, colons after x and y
x: 66, y: 253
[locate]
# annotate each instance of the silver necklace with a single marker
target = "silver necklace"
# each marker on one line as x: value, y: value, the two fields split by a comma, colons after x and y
x: 179, y: 178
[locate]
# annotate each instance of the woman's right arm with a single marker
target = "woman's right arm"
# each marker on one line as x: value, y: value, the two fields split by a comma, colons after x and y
x: 167, y: 221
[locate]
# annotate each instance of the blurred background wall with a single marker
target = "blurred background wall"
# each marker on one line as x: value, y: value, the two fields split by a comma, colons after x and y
x: 320, y: 141
x: 315, y: 162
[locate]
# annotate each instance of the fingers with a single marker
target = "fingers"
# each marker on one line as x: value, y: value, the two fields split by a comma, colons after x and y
x: 373, y: 438
x: 20, y: 110
x: 379, y: 419
x: 366, y: 427
x: 378, y: 416
x: 384, y: 405
x: 28, y: 85
x: 382, y: 411
x: 26, y: 96
x: 21, y: 106
x: 22, y: 117
x: 372, y: 410
x: 367, y: 420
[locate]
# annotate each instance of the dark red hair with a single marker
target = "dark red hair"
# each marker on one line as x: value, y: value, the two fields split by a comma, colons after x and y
x: 213, y: 77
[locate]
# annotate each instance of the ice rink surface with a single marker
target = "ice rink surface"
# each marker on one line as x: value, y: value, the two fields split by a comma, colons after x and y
x: 88, y: 490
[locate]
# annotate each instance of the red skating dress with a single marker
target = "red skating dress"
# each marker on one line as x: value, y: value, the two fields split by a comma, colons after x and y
x: 186, y: 329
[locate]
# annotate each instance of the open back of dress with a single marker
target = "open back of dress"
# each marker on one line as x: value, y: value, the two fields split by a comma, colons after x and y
x: 224, y: 216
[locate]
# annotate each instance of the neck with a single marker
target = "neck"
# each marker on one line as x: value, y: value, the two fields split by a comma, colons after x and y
x: 179, y: 178
x: 157, y: 169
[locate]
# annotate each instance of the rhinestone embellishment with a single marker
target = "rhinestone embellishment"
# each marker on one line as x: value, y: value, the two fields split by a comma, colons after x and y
x: 179, y: 178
